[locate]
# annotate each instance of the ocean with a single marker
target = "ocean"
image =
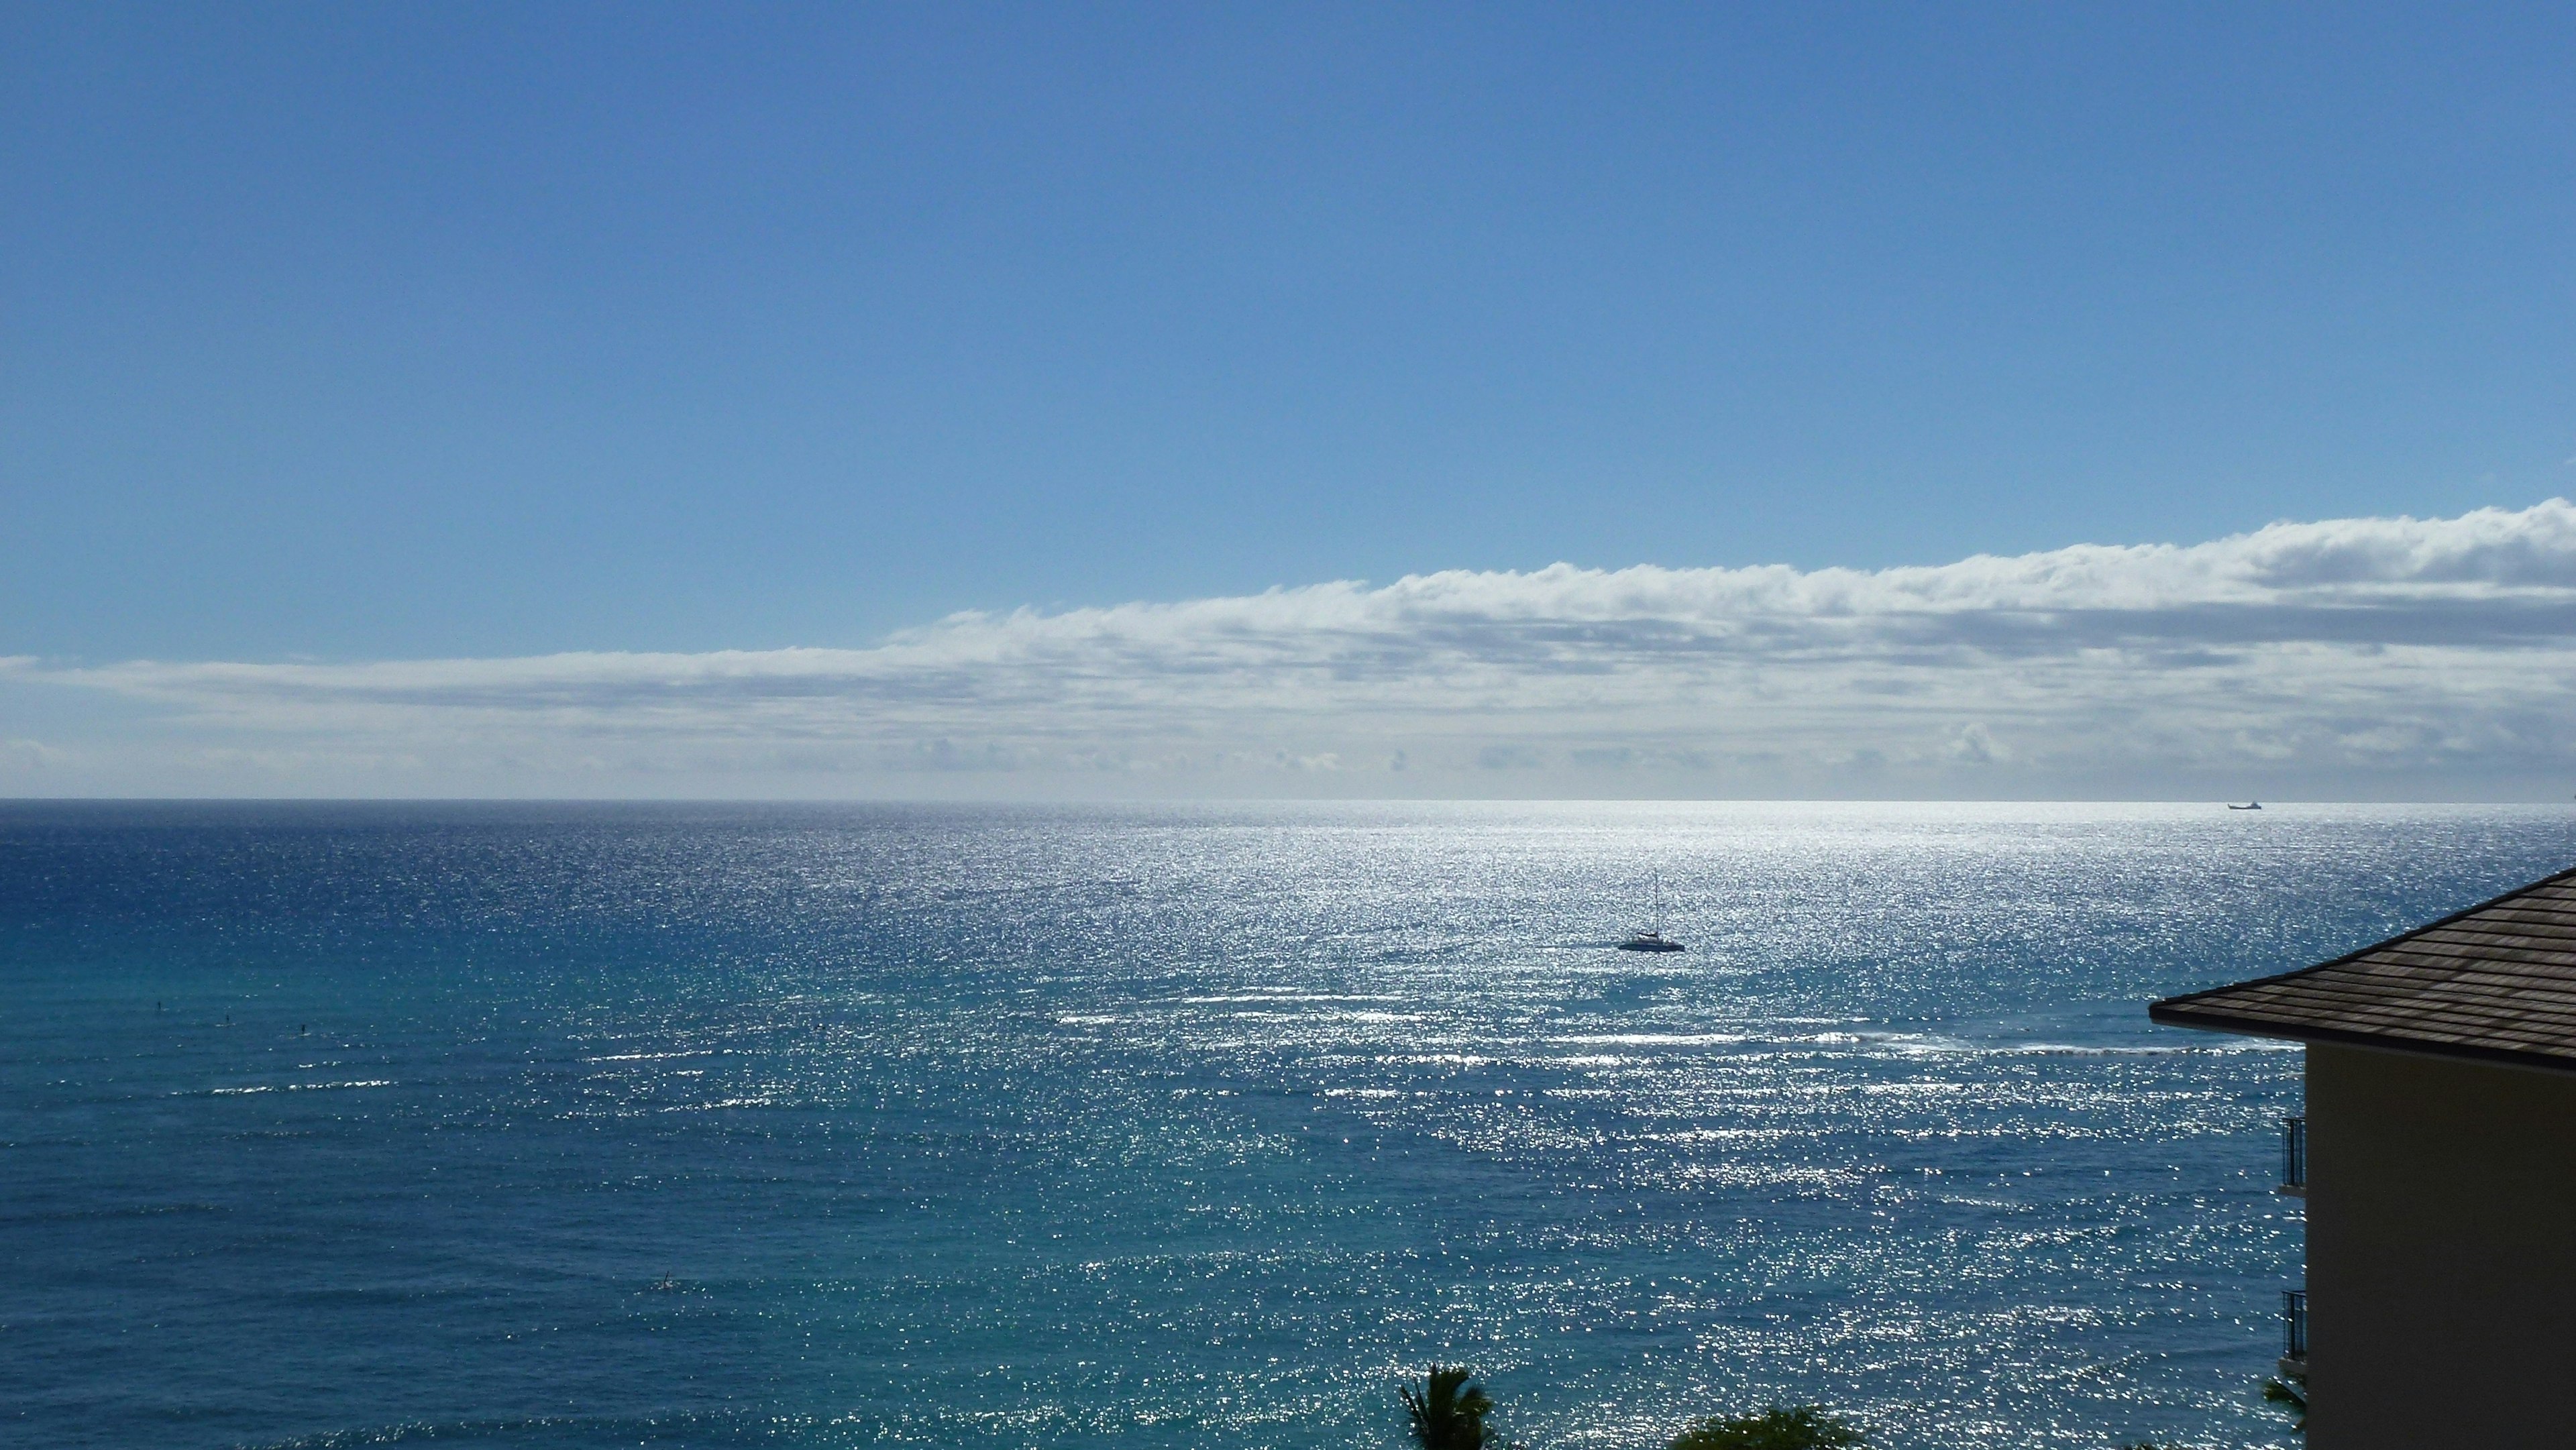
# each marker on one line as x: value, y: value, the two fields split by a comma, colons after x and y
x: 1146, y: 1126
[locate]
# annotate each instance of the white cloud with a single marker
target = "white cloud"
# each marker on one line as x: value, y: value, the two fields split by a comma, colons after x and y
x: 2382, y: 654
x: 18, y: 756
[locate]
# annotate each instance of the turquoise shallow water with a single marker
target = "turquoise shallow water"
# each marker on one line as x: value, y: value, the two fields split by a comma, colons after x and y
x: 601, y: 1125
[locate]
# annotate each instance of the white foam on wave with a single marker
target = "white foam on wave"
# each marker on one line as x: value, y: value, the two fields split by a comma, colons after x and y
x: 298, y: 1087
x: 1652, y: 1039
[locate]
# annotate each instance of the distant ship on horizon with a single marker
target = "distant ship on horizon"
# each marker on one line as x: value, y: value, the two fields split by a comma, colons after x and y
x: 2248, y: 806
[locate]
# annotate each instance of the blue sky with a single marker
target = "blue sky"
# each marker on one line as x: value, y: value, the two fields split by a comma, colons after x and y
x: 350, y: 335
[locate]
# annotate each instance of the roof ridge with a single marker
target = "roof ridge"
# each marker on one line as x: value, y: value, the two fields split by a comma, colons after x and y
x: 2404, y: 936
x: 2448, y: 1005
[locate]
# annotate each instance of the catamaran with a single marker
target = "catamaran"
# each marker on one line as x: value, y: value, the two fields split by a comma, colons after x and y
x: 1653, y: 939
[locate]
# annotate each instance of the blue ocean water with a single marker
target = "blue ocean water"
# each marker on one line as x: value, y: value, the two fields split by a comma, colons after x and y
x: 1129, y: 1126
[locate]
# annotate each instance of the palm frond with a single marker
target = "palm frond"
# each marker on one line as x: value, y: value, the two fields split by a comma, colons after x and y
x: 1449, y: 1411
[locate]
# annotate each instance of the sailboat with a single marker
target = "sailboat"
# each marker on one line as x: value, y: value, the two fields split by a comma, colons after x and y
x: 1653, y: 939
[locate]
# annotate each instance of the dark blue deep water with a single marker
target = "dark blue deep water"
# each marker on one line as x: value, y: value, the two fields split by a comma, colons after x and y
x: 602, y: 1125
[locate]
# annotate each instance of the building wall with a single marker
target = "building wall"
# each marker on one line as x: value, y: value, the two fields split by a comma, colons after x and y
x: 2441, y: 1253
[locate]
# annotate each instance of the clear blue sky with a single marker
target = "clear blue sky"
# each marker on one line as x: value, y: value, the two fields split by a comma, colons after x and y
x: 361, y: 332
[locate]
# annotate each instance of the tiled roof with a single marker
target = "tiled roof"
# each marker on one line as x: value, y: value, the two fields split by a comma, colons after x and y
x: 2496, y: 982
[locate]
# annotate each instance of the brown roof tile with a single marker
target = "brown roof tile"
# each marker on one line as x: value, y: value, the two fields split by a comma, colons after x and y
x: 2497, y: 981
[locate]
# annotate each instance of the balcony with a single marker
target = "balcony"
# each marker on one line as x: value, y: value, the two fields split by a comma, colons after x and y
x: 2294, y: 1157
x: 2294, y: 1335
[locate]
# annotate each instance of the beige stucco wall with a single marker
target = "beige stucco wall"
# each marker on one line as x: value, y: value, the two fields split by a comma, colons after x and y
x: 2441, y: 1253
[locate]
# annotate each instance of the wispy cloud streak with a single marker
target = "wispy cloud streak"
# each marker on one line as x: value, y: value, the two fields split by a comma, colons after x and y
x: 2374, y: 650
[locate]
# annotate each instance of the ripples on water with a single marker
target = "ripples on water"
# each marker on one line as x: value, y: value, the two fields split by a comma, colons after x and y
x: 573, y: 1126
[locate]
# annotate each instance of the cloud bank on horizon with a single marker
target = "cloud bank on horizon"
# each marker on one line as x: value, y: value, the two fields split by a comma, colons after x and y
x: 2367, y: 657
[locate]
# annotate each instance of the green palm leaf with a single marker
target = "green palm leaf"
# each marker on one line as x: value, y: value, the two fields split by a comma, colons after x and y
x: 1449, y: 1412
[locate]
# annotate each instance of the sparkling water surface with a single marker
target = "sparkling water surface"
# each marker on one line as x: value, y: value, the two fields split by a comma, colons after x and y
x: 1158, y: 1126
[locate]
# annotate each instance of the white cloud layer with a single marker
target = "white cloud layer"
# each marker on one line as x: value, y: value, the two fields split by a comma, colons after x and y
x: 2353, y: 657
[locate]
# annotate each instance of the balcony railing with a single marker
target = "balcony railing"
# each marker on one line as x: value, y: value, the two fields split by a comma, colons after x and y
x: 2294, y: 1157
x: 2294, y: 1334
